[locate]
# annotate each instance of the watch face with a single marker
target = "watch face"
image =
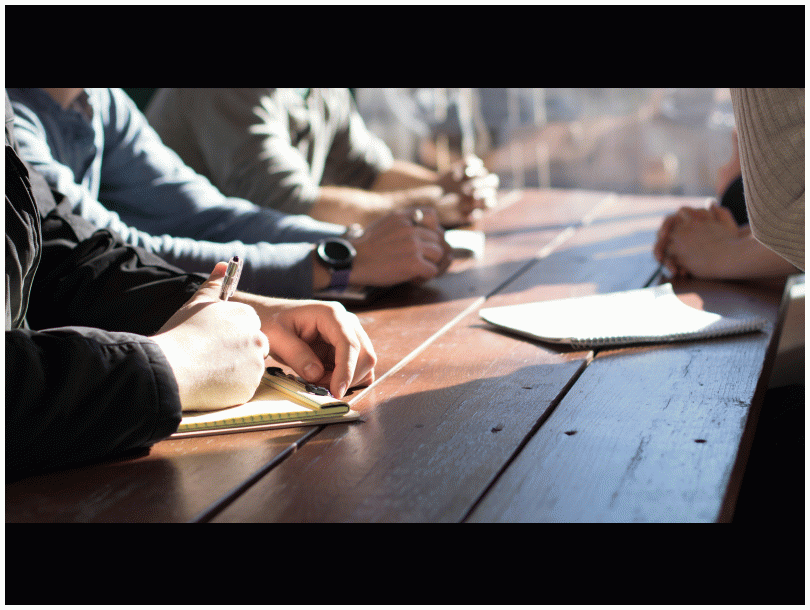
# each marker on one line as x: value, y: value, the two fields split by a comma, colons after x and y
x: 337, y: 253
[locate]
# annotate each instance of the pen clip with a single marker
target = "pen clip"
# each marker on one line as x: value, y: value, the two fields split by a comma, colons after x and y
x: 231, y: 279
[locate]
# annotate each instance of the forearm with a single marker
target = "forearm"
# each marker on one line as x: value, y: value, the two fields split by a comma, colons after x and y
x: 752, y: 260
x: 404, y: 175
x: 346, y: 205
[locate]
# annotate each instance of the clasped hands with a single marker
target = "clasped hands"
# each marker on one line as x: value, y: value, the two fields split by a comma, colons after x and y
x: 698, y: 242
x: 468, y: 186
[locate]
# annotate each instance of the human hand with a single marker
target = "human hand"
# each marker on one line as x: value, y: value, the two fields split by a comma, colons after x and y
x: 321, y: 341
x: 702, y: 243
x: 468, y: 186
x: 216, y: 348
x: 403, y: 246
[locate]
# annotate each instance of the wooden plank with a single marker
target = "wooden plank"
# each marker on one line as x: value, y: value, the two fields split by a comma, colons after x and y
x: 646, y: 434
x: 436, y: 433
x: 426, y: 446
x: 176, y: 481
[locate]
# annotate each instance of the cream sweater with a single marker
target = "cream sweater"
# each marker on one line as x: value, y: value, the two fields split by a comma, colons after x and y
x: 770, y: 125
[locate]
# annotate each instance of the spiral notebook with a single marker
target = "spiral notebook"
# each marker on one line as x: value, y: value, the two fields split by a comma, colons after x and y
x: 281, y: 401
x: 646, y: 315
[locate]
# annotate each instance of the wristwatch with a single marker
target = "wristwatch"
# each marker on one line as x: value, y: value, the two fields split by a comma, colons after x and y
x: 337, y: 255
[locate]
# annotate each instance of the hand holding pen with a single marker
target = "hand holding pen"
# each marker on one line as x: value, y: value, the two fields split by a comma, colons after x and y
x: 216, y: 348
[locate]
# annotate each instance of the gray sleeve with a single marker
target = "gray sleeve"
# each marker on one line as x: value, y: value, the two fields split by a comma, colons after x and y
x: 243, y: 138
x: 357, y: 156
x: 279, y: 270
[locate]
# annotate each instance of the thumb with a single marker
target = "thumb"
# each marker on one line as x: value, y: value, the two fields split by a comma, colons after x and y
x: 211, y: 288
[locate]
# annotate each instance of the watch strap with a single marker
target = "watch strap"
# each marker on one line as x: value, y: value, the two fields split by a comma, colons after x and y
x: 340, y: 279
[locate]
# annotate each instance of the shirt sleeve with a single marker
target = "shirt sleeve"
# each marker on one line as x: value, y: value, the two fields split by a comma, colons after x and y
x: 275, y: 269
x: 356, y: 156
x: 770, y: 126
x: 78, y: 394
x: 152, y: 189
x: 241, y: 139
x: 253, y: 144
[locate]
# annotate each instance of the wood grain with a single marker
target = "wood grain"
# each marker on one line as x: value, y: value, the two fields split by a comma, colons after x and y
x: 437, y: 433
x: 647, y: 434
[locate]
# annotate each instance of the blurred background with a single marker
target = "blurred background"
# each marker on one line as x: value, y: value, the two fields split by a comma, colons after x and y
x: 643, y: 141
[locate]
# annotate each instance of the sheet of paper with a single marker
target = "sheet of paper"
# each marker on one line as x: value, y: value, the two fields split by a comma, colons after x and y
x: 648, y: 314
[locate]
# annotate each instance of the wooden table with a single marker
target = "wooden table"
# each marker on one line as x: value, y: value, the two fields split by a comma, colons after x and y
x: 469, y: 424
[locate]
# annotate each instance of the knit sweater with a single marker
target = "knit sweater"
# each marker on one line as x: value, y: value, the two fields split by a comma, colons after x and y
x: 770, y: 126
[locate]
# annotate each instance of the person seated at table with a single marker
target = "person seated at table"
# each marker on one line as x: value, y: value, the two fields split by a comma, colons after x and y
x: 107, y: 344
x: 308, y: 151
x: 96, y: 147
x: 716, y: 242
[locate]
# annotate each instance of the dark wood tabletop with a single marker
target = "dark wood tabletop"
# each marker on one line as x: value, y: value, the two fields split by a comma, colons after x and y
x: 466, y: 423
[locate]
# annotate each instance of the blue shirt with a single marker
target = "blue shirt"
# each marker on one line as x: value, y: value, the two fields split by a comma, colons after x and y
x: 105, y: 158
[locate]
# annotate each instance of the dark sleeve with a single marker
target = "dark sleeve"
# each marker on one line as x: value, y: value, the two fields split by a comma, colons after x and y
x: 101, y: 282
x: 78, y: 394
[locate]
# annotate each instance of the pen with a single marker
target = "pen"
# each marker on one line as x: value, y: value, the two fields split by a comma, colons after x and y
x: 232, y: 274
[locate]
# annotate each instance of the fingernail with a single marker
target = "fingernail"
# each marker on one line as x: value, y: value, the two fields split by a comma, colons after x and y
x: 312, y: 371
x: 342, y: 390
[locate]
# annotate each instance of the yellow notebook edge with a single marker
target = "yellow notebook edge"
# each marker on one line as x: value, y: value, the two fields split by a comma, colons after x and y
x: 350, y: 416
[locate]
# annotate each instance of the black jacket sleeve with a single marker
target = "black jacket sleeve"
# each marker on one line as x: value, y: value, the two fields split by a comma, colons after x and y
x: 83, y: 381
x: 77, y: 394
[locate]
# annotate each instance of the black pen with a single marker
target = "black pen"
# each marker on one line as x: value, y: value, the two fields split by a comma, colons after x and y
x: 232, y: 274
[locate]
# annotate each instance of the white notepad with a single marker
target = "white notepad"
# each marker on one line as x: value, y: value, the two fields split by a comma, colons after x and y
x: 647, y: 315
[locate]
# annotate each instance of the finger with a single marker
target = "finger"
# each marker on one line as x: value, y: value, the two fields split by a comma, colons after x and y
x: 486, y: 182
x: 211, y: 288
x: 366, y: 358
x: 429, y: 219
x: 347, y: 349
x: 426, y: 195
x: 428, y: 236
x: 723, y: 215
x: 469, y: 167
x: 433, y: 251
x: 298, y: 355
x: 343, y: 373
x: 663, y: 236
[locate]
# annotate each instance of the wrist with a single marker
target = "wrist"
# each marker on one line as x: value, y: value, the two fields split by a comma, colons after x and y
x: 179, y: 363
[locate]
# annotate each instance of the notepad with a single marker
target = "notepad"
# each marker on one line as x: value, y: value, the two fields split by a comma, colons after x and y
x: 646, y: 315
x: 280, y: 401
